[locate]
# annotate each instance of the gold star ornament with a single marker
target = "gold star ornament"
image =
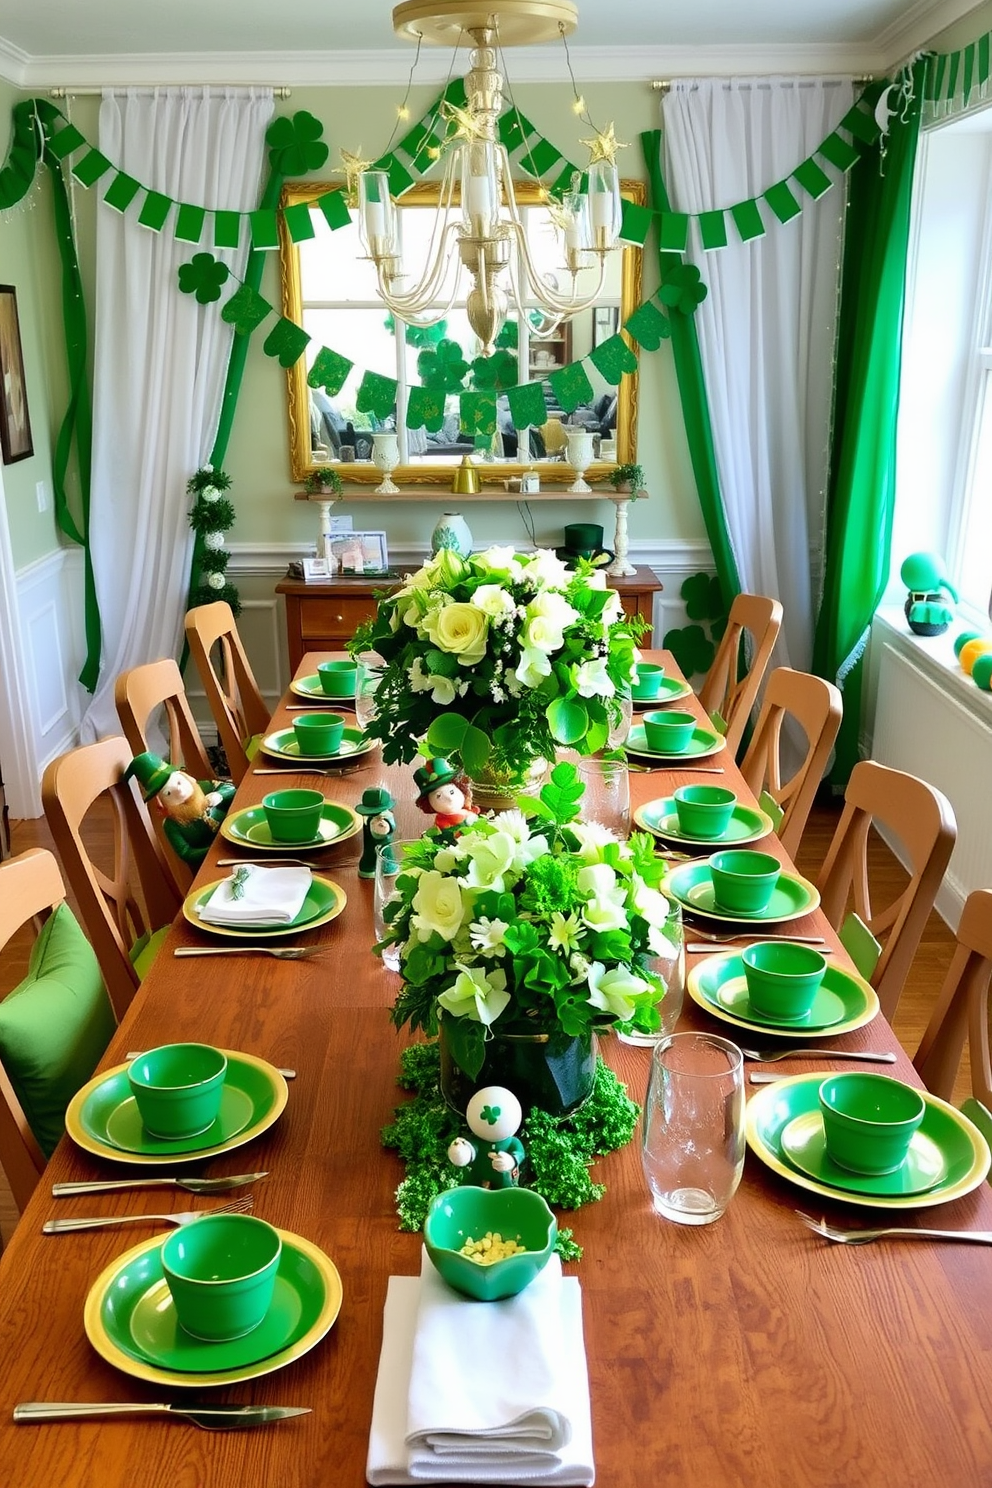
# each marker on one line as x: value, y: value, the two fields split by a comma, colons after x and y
x: 353, y: 166
x: 468, y: 126
x: 604, y: 146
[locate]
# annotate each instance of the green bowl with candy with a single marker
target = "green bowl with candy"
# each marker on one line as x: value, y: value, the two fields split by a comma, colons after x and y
x: 460, y: 1218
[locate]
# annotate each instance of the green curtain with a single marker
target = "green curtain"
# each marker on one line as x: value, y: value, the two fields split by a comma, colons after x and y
x: 692, y: 391
x: 861, y: 493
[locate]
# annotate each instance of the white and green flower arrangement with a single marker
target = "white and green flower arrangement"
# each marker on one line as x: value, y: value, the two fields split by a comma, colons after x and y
x: 499, y: 658
x: 528, y: 924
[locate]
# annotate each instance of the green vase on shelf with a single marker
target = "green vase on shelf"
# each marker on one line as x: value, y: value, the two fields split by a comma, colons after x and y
x: 452, y: 531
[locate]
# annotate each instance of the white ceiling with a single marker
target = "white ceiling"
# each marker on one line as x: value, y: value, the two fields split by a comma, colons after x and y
x: 45, y: 42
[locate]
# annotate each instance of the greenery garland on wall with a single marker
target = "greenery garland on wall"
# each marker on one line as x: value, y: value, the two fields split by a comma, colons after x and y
x: 211, y: 515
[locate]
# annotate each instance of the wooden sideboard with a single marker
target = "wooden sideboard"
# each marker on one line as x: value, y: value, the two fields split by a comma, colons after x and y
x: 323, y: 617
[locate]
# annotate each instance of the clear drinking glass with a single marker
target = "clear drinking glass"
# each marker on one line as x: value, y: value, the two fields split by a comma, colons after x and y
x: 607, y: 794
x: 669, y: 965
x: 617, y: 736
x: 367, y: 679
x: 693, y: 1127
x: 388, y: 861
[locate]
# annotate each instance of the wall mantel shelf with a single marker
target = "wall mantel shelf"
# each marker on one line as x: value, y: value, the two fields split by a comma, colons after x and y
x: 444, y: 496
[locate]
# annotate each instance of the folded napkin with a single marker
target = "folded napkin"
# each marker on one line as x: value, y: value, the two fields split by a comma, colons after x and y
x: 269, y: 896
x: 481, y: 1392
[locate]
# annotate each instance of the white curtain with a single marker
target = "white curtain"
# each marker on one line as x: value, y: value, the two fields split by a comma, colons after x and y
x: 766, y: 329
x: 160, y: 361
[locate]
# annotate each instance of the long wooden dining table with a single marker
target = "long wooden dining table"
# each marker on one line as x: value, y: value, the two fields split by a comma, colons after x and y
x: 748, y: 1352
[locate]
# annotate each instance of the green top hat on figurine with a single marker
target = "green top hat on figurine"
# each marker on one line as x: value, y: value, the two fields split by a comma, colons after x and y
x: 433, y: 775
x: 150, y: 771
x: 378, y: 830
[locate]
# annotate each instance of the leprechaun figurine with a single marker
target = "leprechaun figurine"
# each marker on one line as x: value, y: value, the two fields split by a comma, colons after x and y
x: 444, y: 793
x: 378, y: 830
x: 493, y: 1160
x: 193, y: 809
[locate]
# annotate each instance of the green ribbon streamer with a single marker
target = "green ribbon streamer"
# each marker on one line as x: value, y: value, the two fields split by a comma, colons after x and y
x: 861, y: 493
x: 692, y: 391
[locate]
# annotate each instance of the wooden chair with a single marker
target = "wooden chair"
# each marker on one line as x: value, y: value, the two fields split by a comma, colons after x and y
x: 817, y: 707
x: 139, y: 694
x: 124, y: 932
x: 30, y: 888
x: 725, y: 693
x: 922, y: 820
x: 962, y: 1009
x: 232, y: 692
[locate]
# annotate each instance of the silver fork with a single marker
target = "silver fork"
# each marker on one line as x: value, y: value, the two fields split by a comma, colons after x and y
x: 182, y: 1217
x: 864, y: 1237
x: 769, y: 1056
x: 723, y: 939
x: 281, y: 953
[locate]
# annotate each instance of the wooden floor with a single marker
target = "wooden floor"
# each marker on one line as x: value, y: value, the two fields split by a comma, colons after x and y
x: 918, y: 997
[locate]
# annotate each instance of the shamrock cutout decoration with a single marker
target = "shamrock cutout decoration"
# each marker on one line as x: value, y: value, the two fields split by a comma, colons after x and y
x: 703, y: 597
x: 691, y: 649
x: 286, y: 342
x: 203, y: 277
x: 648, y: 326
x: 330, y: 371
x: 443, y: 368
x: 494, y: 373
x: 245, y: 310
x: 425, y: 409
x: 508, y: 337
x: 490, y: 1115
x: 295, y: 145
x: 683, y: 288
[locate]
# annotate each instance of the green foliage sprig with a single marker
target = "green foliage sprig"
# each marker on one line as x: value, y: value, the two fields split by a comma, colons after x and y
x: 211, y: 515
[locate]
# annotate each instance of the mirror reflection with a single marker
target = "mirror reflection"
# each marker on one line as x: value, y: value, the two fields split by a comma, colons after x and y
x: 330, y: 290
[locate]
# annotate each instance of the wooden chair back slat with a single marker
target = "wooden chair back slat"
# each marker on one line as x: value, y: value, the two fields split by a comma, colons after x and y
x: 724, y: 691
x: 237, y: 705
x: 817, y: 707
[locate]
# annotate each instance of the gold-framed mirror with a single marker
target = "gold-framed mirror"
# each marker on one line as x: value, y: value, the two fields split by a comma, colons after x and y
x: 328, y: 288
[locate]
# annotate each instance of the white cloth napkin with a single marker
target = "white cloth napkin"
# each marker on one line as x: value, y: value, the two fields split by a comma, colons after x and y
x: 270, y: 896
x: 481, y: 1392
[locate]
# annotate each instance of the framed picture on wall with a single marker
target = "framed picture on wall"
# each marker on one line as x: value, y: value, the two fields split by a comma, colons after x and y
x: 15, y: 425
x: 360, y: 553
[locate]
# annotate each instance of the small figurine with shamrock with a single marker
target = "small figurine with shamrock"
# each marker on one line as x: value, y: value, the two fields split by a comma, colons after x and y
x: 493, y: 1160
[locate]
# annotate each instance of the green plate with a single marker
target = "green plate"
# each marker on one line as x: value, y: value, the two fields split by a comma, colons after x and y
x: 704, y: 742
x: 961, y: 1144
x: 309, y: 687
x: 324, y: 902
x: 827, y: 1008
x: 717, y: 985
x: 250, y: 828
x: 671, y: 690
x: 692, y: 885
x: 805, y: 1145
x: 130, y: 1321
x: 282, y: 745
x: 660, y: 817
x: 95, y: 1122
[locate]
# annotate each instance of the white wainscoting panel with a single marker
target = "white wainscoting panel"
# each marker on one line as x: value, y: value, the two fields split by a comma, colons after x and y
x: 50, y: 606
x: 926, y: 729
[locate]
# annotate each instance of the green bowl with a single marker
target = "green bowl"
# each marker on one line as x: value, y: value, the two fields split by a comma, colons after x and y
x: 743, y: 882
x: 649, y: 679
x: 468, y: 1213
x: 177, y: 1089
x: 704, y: 810
x: 221, y: 1271
x: 293, y: 815
x: 668, y: 733
x: 319, y: 733
x: 782, y: 979
x: 337, y: 678
x: 869, y: 1121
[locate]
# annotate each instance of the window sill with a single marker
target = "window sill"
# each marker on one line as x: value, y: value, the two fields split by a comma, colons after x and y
x: 934, y: 656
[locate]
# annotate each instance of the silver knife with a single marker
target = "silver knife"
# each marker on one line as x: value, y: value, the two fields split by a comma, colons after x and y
x: 210, y: 1417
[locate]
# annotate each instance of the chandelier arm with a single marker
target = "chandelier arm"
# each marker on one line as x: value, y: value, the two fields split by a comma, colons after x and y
x: 417, y: 299
x: 561, y: 305
x: 415, y: 314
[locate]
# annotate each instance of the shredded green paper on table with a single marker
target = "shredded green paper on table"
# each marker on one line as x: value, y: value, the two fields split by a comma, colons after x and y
x: 560, y: 1149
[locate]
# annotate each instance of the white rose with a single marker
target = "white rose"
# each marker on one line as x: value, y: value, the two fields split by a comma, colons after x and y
x: 592, y: 837
x: 460, y: 629
x: 547, y: 568
x: 501, y: 559
x: 438, y: 906
x: 613, y: 608
x: 492, y: 600
x: 606, y: 907
x: 649, y: 903
x: 546, y: 619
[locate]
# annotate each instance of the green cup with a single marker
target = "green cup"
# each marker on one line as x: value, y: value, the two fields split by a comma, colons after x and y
x: 178, y: 1088
x: 293, y: 815
x: 782, y: 979
x: 704, y: 810
x: 337, y: 678
x: 668, y: 733
x: 648, y: 681
x: 319, y: 733
x: 465, y: 1213
x: 743, y: 882
x: 869, y: 1121
x: 221, y: 1271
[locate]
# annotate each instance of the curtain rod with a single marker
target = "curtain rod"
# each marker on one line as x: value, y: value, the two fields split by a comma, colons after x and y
x: 662, y: 85
x: 84, y: 92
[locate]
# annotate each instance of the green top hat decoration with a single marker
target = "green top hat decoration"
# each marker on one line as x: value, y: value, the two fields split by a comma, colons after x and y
x: 433, y: 775
x: 150, y: 771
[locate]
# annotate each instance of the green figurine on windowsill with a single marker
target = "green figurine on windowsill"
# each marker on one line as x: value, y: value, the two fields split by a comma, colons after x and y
x: 379, y: 828
x: 193, y: 809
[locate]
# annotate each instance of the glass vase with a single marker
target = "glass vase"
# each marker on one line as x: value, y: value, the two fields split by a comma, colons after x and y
x: 496, y: 790
x: 553, y: 1071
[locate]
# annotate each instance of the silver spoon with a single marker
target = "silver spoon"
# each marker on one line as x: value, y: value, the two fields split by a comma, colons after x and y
x: 281, y: 953
x: 209, y: 1417
x: 192, y: 1185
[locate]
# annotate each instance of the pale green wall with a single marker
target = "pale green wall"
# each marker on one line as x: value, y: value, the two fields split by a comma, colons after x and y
x: 28, y: 261
x: 258, y: 458
x: 968, y: 29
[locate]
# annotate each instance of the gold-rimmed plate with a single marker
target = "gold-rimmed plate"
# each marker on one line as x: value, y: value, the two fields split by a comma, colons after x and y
x: 670, y: 691
x: 747, y: 825
x: 128, y: 1318
x: 250, y: 828
x: 101, y: 1108
x: 704, y: 742
x: 692, y: 885
x: 717, y: 985
x: 283, y: 745
x: 311, y: 688
x: 324, y: 902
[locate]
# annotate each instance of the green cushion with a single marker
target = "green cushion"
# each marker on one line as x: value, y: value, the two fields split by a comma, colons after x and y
x: 144, y: 951
x: 55, y: 1025
x: 252, y: 745
x: 859, y: 943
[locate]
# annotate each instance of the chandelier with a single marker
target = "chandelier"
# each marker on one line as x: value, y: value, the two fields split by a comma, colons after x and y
x: 478, y: 226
